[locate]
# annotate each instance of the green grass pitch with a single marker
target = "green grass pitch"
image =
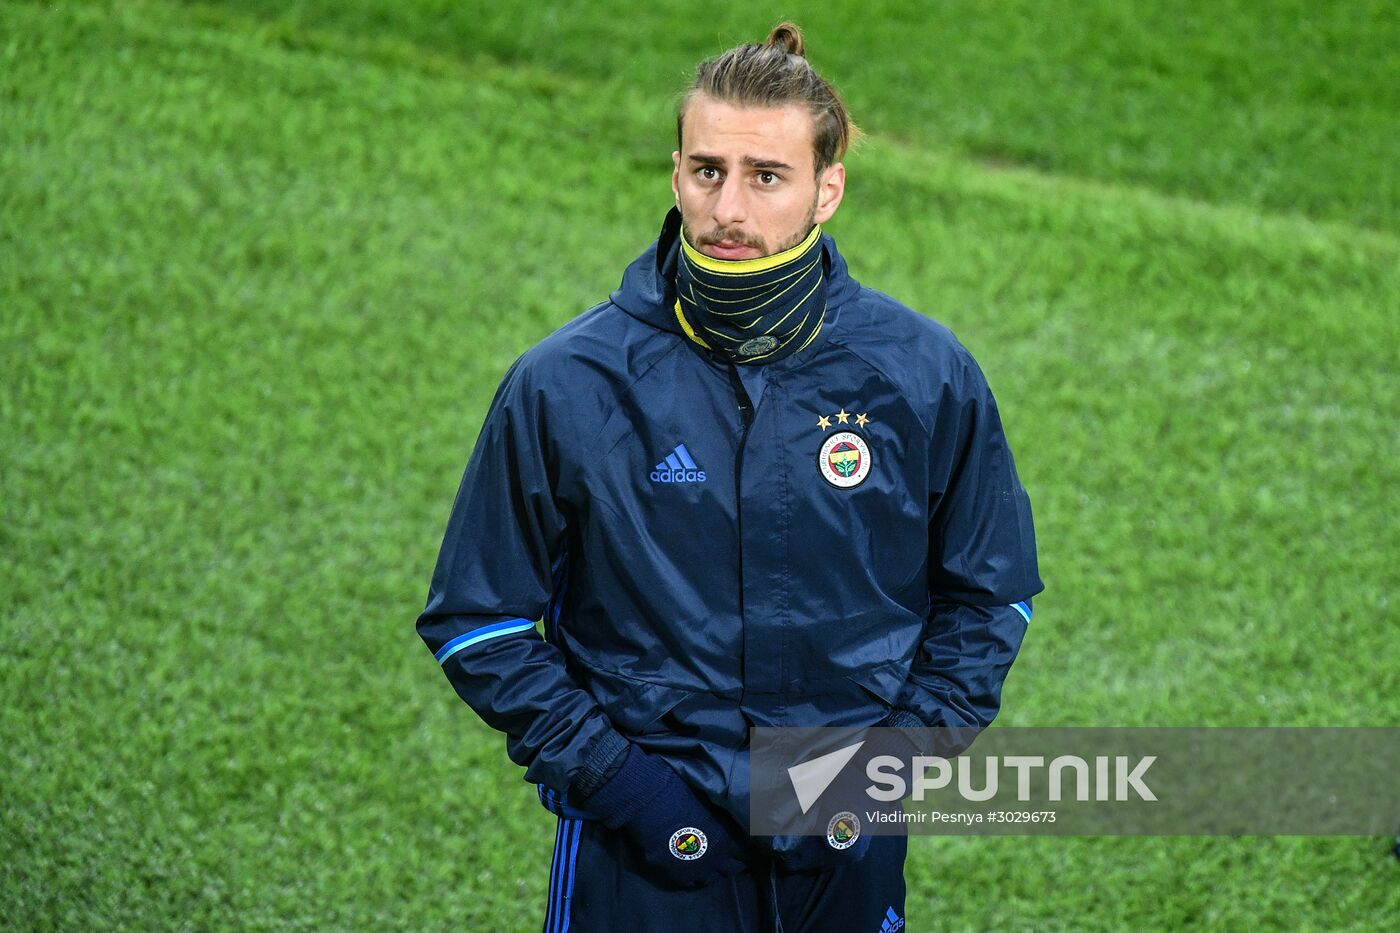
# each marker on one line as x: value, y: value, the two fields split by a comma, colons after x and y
x: 263, y: 264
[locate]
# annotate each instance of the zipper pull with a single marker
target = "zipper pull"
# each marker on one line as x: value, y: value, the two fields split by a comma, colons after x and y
x: 745, y: 404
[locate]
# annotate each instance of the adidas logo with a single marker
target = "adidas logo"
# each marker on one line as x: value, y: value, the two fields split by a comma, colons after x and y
x: 893, y: 921
x: 678, y: 467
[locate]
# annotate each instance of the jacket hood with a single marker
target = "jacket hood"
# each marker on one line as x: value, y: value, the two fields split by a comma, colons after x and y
x: 648, y: 290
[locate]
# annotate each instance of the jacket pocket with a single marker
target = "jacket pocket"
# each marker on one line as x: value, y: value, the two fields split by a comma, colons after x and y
x: 881, y: 683
x: 636, y: 707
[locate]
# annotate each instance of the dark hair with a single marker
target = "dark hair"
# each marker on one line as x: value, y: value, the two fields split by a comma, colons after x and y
x: 771, y: 75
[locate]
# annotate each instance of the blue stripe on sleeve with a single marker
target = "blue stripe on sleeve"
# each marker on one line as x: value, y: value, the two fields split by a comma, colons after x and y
x: 1024, y: 608
x: 481, y: 634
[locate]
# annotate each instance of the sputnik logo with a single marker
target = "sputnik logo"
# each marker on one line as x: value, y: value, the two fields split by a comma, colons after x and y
x: 811, y: 778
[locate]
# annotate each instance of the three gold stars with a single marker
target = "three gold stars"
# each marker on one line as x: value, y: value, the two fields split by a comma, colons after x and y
x: 842, y: 417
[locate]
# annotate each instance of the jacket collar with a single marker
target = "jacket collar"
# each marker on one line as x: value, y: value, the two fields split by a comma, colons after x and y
x: 648, y: 291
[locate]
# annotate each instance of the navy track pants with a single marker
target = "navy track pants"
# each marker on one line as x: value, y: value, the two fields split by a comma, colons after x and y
x: 599, y: 883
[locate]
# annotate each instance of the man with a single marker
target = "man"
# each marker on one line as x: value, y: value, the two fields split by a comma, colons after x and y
x: 745, y: 491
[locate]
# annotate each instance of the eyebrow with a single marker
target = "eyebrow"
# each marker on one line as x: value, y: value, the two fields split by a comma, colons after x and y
x: 750, y: 161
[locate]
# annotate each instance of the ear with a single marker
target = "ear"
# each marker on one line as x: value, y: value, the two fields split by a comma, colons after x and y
x: 676, y: 176
x: 831, y: 187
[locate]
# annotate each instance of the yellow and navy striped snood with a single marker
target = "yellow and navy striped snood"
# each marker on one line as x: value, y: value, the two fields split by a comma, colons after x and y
x: 753, y: 310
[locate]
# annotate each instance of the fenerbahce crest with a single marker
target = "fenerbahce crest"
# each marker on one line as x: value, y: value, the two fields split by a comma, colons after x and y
x: 844, y: 459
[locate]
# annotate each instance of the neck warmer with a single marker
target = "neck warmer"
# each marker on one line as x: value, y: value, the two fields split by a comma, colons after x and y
x: 753, y: 310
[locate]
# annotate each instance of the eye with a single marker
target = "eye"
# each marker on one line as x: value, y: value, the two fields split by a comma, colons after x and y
x: 767, y: 179
x: 707, y: 172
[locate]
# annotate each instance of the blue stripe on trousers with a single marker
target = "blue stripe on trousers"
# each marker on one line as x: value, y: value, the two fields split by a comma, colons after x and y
x: 561, y: 876
x: 573, y: 863
x: 553, y: 877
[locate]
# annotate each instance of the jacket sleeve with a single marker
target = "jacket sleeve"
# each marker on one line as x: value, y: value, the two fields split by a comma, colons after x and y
x: 494, y: 578
x: 982, y: 564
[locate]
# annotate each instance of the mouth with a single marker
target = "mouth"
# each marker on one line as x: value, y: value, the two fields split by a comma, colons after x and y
x: 729, y: 249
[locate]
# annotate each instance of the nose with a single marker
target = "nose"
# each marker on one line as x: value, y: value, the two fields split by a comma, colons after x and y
x: 730, y: 208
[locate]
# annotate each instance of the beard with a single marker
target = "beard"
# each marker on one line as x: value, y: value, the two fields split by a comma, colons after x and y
x: 725, y: 234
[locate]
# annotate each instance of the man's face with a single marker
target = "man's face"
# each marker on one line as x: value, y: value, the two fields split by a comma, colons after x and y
x: 744, y: 179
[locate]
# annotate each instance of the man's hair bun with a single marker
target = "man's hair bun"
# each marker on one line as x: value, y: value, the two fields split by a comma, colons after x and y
x: 787, y: 37
x: 775, y: 74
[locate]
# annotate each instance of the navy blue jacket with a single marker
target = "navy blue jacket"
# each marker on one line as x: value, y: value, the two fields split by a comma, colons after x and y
x: 690, y: 535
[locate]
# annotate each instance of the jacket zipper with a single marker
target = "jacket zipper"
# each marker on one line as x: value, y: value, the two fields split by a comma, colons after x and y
x: 746, y: 414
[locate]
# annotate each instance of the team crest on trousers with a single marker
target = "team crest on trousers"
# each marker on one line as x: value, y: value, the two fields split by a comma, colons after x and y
x: 844, y: 460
